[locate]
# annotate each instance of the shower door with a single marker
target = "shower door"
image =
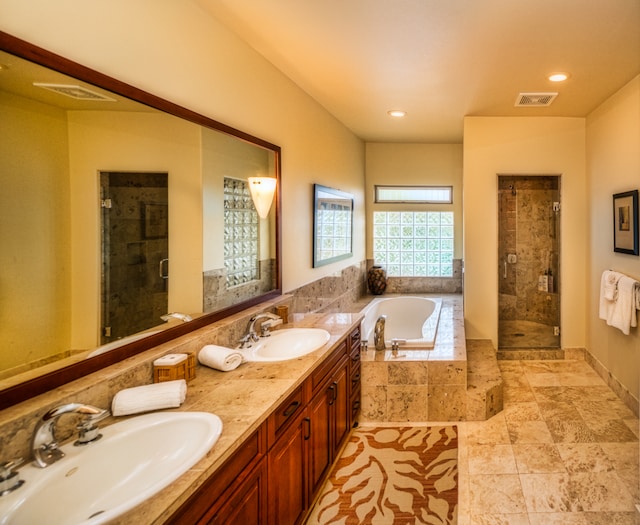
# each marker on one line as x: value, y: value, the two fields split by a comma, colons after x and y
x: 528, y: 261
x: 135, y: 247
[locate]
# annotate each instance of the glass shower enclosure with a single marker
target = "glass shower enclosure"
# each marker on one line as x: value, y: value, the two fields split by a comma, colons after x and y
x: 528, y: 262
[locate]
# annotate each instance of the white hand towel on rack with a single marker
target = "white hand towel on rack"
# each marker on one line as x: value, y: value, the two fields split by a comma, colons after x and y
x: 611, y: 285
x: 220, y: 357
x: 623, y: 313
x: 608, y: 293
x: 168, y: 394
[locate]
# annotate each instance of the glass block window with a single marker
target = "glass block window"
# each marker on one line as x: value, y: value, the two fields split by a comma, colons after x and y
x: 414, y: 244
x: 241, y: 233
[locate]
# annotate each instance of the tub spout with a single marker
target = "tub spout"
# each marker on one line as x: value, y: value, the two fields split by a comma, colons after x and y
x: 378, y: 333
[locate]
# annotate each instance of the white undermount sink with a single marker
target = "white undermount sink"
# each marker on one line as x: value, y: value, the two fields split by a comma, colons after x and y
x: 92, y: 484
x: 287, y: 343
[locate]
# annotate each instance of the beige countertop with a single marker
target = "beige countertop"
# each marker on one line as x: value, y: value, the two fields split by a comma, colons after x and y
x: 243, y: 399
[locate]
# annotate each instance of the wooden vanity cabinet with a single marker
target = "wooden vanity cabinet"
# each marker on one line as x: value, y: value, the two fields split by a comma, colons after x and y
x: 329, y: 416
x: 355, y: 348
x: 273, y: 478
x: 235, y: 493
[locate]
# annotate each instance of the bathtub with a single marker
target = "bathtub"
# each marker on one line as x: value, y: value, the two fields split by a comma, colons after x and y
x: 412, y: 319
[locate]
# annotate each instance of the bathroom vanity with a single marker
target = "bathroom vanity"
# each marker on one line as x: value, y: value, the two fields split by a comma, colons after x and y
x: 275, y: 474
x: 284, y: 424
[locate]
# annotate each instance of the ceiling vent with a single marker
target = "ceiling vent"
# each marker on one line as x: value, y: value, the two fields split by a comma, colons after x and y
x: 77, y: 92
x: 529, y: 100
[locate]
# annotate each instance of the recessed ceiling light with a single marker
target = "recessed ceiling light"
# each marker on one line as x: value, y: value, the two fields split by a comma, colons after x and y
x: 396, y: 113
x: 558, y: 77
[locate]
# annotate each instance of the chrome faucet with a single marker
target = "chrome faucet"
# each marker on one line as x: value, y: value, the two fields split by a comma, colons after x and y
x: 44, y: 443
x: 378, y: 333
x: 252, y: 336
x: 176, y: 315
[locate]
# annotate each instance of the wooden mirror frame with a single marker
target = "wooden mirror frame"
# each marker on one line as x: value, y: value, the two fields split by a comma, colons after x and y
x: 54, y: 379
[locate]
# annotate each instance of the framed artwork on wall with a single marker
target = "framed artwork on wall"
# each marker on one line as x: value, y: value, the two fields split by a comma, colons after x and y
x: 625, y: 222
x: 332, y: 225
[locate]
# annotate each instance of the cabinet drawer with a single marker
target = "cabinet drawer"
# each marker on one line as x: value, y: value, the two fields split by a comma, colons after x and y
x: 319, y: 374
x: 354, y: 339
x: 355, y: 404
x: 285, y: 413
x: 355, y: 377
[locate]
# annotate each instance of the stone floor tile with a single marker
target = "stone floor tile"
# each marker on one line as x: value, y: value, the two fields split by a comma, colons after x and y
x: 491, y: 459
x: 601, y: 492
x: 570, y: 431
x: 538, y: 458
x: 496, y: 494
x: 550, y: 493
x: 498, y: 519
x: 584, y: 457
x: 529, y: 432
x: 526, y: 411
x: 558, y: 518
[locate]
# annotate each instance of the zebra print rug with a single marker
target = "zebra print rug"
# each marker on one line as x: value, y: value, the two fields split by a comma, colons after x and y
x: 393, y: 475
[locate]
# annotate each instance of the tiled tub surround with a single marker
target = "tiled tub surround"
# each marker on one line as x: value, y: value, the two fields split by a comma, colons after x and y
x: 429, y: 385
x: 242, y: 398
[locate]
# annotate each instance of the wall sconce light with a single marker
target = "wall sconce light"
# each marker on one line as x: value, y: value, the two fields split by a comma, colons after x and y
x: 262, y: 190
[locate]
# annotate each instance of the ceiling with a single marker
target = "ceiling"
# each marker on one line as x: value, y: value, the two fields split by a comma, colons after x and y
x: 440, y: 60
x: 19, y: 76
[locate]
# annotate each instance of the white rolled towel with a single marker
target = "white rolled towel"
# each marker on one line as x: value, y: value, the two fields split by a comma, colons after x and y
x: 220, y: 357
x: 168, y: 394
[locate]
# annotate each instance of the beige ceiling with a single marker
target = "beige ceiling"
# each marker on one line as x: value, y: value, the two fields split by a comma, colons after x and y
x: 440, y: 60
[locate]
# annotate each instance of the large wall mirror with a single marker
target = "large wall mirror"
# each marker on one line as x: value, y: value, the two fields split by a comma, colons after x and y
x: 117, y: 207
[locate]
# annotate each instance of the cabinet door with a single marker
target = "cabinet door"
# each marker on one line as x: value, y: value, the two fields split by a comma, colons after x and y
x: 288, y: 488
x: 248, y: 503
x: 341, y: 409
x: 320, y: 446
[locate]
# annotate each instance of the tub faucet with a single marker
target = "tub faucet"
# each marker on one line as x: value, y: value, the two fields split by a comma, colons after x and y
x: 378, y: 333
x: 44, y: 443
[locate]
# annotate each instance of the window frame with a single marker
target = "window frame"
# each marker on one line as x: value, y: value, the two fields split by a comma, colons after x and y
x: 379, y: 200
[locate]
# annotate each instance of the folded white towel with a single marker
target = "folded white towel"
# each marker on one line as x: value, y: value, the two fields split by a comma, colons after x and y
x: 608, y: 293
x: 623, y: 313
x: 168, y: 394
x: 611, y: 285
x: 220, y: 357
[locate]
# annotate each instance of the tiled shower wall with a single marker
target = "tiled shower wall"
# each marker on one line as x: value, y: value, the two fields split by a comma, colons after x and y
x: 529, y: 229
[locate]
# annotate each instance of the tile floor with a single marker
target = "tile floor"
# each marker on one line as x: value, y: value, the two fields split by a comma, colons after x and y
x: 563, y: 451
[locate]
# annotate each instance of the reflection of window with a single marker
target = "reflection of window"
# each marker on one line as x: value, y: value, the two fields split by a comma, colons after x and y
x: 422, y: 194
x: 240, y: 233
x: 333, y: 227
x: 414, y: 244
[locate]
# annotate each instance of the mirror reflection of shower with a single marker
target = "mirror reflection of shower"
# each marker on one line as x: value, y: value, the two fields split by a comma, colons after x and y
x: 529, y: 261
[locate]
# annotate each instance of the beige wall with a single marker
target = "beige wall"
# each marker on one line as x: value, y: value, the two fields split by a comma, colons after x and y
x: 35, y: 250
x: 407, y: 164
x: 176, y: 51
x: 613, y: 166
x: 529, y: 145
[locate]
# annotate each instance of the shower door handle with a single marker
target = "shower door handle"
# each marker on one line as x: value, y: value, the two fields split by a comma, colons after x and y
x: 164, y: 268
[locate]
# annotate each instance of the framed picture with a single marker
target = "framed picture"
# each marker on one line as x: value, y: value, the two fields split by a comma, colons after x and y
x: 332, y: 225
x: 625, y: 222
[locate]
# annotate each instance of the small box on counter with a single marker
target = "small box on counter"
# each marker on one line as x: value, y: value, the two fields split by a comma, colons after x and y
x: 174, y: 366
